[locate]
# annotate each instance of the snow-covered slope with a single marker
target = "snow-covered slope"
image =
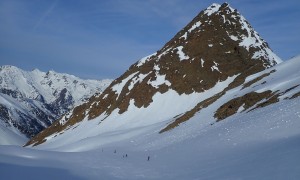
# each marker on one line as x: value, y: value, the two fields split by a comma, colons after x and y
x: 281, y: 82
x: 261, y: 144
x: 10, y: 135
x: 31, y: 101
x: 214, y: 53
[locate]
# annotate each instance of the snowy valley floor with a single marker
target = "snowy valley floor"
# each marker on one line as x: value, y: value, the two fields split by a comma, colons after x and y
x: 263, y: 144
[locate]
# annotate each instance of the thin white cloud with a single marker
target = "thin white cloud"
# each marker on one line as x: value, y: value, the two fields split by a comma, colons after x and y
x: 45, y: 15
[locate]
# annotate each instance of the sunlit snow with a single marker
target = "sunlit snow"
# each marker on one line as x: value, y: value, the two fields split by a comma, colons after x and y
x: 181, y: 54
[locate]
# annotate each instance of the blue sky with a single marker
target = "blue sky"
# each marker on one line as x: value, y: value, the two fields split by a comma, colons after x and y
x: 102, y: 38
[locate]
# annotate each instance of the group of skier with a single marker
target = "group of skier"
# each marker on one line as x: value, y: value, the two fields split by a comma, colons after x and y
x: 125, y: 156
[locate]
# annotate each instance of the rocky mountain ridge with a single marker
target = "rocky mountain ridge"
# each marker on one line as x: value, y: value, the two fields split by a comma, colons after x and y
x: 216, y: 52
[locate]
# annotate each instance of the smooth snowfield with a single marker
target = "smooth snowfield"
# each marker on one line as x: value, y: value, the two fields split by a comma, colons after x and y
x: 264, y: 144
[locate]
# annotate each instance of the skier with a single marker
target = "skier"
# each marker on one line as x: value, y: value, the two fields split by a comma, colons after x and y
x: 148, y: 158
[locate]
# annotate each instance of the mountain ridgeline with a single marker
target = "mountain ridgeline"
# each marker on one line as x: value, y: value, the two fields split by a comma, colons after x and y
x: 216, y: 52
x: 32, y: 100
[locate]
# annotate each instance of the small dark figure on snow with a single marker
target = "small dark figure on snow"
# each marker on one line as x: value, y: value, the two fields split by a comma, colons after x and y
x: 126, y: 155
x: 148, y: 158
x: 115, y: 151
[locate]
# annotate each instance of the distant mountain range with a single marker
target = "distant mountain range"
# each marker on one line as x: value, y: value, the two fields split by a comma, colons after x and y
x: 32, y: 101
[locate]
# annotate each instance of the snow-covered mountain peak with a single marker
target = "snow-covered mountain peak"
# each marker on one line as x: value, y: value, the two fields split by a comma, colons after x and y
x: 32, y: 84
x: 8, y: 67
x: 217, y: 26
x: 212, y: 9
x: 214, y: 53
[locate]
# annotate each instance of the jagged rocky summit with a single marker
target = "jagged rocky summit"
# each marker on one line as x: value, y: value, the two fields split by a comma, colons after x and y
x: 30, y: 101
x: 216, y: 52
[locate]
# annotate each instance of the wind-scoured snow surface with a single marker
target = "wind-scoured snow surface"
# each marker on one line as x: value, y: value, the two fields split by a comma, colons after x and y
x: 261, y: 144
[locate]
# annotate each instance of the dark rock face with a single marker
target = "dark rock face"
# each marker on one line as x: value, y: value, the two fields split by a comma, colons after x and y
x: 63, y: 103
x: 4, y: 114
x: 35, y: 118
x: 218, y: 43
x: 9, y: 92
